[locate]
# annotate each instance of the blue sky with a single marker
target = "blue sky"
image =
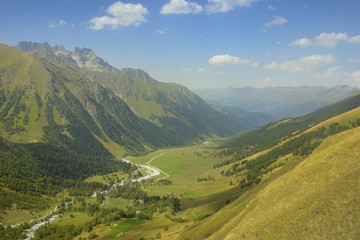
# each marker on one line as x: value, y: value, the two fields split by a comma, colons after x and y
x: 203, y: 43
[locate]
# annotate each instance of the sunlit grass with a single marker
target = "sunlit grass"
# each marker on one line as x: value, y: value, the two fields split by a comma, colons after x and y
x: 317, y: 198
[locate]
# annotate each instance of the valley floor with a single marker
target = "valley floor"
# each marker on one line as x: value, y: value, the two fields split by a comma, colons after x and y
x: 179, y: 193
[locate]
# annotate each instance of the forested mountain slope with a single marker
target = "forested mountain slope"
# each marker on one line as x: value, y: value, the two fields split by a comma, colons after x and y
x: 171, y: 106
x: 78, y: 101
x: 31, y: 173
x: 42, y: 102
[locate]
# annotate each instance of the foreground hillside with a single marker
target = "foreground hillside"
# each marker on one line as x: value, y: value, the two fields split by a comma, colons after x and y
x: 301, y: 184
x: 318, y: 199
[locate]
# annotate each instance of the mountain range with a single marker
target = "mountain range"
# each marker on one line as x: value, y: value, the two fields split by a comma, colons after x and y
x: 50, y: 94
x: 278, y: 102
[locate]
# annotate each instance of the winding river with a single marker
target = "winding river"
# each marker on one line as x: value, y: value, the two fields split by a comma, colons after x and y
x: 151, y: 171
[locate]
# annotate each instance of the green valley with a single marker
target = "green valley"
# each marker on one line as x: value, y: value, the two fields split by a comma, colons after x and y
x: 89, y: 151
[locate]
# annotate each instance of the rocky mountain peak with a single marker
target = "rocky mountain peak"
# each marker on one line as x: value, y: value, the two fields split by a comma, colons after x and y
x: 80, y: 57
x: 87, y: 58
x: 31, y: 46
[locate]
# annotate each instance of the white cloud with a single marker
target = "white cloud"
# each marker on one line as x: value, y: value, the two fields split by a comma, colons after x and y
x: 303, y: 64
x: 354, y: 39
x: 222, y: 6
x: 120, y: 15
x: 354, y: 60
x: 329, y: 40
x: 268, y: 54
x: 332, y: 72
x: 57, y: 23
x: 187, y: 69
x: 161, y: 31
x: 277, y: 21
x: 302, y: 42
x: 267, y: 82
x: 212, y: 6
x: 220, y: 72
x: 181, y: 7
x: 271, y: 8
x: 225, y: 59
x: 355, y: 76
x: 254, y: 64
x: 200, y: 70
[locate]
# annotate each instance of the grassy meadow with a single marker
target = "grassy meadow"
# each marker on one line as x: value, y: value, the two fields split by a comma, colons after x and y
x: 184, y: 166
x: 199, y: 199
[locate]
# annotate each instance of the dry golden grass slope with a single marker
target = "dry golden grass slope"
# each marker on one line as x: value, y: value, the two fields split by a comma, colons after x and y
x: 318, y: 199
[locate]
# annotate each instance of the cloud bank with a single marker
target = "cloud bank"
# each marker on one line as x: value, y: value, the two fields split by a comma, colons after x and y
x: 212, y: 6
x: 181, y: 7
x: 225, y: 59
x: 57, y: 23
x: 120, y: 15
x: 222, y: 6
x: 303, y: 64
x: 329, y: 40
x: 277, y: 21
x: 355, y: 76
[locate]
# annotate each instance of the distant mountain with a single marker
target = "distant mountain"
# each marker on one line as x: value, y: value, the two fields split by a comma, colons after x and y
x: 258, y: 119
x: 76, y: 100
x: 274, y: 133
x: 279, y: 102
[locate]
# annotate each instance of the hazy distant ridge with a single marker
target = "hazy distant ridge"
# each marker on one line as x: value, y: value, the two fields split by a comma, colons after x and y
x: 279, y: 102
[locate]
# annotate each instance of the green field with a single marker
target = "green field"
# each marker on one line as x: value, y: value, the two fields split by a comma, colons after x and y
x: 123, y: 226
x: 73, y: 218
x: 183, y: 166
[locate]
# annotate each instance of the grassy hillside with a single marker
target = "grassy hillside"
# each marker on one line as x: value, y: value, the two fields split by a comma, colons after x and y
x: 23, y: 82
x: 318, y: 199
x: 314, y: 196
x: 171, y: 106
x: 41, y: 101
x: 298, y: 196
